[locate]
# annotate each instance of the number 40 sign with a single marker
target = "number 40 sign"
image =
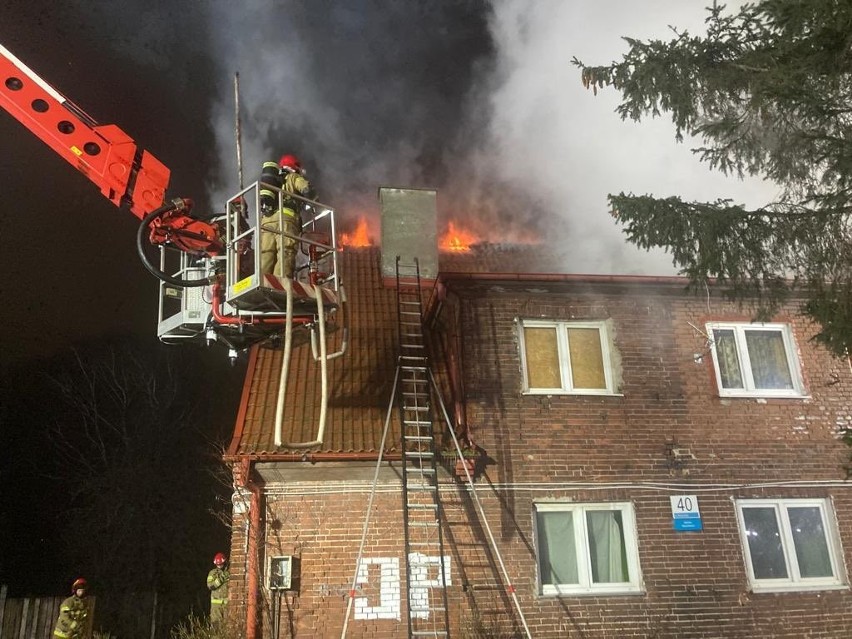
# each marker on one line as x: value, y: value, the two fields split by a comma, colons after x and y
x: 685, y: 512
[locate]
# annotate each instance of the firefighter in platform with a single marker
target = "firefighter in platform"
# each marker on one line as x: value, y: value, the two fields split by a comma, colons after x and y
x: 73, y: 613
x: 289, y: 176
x: 217, y: 584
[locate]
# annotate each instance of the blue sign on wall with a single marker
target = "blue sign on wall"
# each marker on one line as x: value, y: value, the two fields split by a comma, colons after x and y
x: 685, y: 513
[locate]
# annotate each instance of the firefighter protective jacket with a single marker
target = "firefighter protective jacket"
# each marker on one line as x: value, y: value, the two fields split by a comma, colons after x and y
x: 72, y: 618
x: 217, y: 583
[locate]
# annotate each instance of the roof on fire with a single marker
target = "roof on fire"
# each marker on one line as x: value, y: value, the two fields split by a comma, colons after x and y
x: 360, y: 382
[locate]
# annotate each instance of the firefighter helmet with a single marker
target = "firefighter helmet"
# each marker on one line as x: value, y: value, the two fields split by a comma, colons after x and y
x: 290, y: 162
x: 219, y: 559
x: 78, y: 583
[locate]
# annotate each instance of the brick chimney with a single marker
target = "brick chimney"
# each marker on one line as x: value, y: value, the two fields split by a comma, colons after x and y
x: 409, y: 230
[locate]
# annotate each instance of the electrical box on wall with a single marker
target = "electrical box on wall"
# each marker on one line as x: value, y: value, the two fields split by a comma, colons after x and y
x: 283, y: 573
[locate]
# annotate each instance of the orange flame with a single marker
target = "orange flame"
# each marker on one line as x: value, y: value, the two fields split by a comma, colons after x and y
x: 359, y: 238
x: 456, y: 239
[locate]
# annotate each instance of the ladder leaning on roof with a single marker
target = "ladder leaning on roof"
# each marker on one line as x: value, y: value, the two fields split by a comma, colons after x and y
x: 428, y: 614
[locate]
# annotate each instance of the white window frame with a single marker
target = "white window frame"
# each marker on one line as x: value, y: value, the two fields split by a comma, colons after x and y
x: 584, y: 565
x: 564, y: 357
x: 794, y: 580
x: 749, y: 390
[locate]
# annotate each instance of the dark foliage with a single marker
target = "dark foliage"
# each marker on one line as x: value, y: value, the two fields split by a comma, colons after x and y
x: 768, y: 91
x: 125, y: 446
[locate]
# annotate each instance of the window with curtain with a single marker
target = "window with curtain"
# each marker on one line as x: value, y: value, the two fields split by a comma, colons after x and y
x: 566, y: 357
x: 586, y: 548
x: 755, y: 360
x: 790, y: 544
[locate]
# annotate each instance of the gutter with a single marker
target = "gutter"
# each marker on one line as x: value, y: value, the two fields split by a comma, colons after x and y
x: 670, y: 280
x: 308, y: 457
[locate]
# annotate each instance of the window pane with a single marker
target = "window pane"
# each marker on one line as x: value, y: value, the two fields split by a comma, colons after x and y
x: 542, y: 356
x: 729, y: 361
x: 587, y: 367
x: 768, y: 357
x: 810, y: 542
x: 557, y: 553
x: 764, y: 543
x: 606, y: 546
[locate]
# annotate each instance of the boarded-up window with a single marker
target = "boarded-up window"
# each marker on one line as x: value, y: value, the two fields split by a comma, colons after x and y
x: 566, y: 356
x: 587, y: 367
x: 542, y: 358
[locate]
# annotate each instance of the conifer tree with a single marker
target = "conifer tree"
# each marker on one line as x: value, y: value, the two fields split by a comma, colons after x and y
x: 768, y: 91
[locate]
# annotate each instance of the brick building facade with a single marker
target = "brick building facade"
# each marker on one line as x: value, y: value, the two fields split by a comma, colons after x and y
x: 594, y: 401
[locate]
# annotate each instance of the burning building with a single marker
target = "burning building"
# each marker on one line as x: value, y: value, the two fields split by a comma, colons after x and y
x: 539, y: 454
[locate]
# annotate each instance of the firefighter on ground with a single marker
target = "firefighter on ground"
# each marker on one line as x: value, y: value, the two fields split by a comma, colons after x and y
x: 288, y: 175
x: 217, y: 583
x: 73, y: 613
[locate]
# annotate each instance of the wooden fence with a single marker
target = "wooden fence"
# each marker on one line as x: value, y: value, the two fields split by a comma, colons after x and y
x: 32, y: 617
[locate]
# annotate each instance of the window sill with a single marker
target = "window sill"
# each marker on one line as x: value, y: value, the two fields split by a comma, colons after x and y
x: 546, y: 393
x: 796, y: 588
x: 633, y: 592
x: 761, y: 397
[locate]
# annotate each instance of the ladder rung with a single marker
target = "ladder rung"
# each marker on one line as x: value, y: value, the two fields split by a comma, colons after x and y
x: 411, y: 506
x: 418, y: 438
x: 421, y: 409
x: 412, y: 469
x: 415, y: 422
x: 423, y: 488
x: 423, y: 524
x: 420, y: 454
x: 428, y: 633
x: 414, y: 368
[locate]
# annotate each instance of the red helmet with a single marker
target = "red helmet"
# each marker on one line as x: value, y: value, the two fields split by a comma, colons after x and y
x: 79, y: 583
x: 219, y: 559
x: 290, y: 162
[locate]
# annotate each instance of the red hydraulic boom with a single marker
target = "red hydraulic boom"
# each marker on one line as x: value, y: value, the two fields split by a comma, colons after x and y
x: 126, y: 174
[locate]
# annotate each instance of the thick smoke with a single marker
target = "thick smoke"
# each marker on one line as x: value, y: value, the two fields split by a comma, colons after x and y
x: 367, y: 93
x: 476, y: 99
x: 567, y: 147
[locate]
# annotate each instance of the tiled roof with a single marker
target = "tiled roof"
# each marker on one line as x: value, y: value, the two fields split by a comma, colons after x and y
x: 360, y: 382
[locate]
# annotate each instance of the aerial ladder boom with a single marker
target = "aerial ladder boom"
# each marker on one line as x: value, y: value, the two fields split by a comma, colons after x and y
x: 125, y: 173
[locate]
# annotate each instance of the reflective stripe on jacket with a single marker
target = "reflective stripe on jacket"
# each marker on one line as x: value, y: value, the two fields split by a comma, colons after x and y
x: 217, y: 583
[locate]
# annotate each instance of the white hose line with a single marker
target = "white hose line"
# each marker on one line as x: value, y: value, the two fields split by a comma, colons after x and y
x: 285, y: 364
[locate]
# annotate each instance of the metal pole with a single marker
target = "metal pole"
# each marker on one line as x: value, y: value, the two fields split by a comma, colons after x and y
x: 237, y: 130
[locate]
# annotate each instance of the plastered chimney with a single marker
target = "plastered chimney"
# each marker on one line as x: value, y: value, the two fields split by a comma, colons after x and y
x: 409, y: 230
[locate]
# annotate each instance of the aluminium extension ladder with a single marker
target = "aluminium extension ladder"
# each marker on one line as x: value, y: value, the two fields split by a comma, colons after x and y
x: 426, y: 566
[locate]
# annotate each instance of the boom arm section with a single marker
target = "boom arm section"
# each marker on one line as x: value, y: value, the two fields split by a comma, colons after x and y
x: 124, y: 172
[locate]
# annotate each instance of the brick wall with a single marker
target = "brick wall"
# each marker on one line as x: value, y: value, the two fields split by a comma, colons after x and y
x: 590, y: 449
